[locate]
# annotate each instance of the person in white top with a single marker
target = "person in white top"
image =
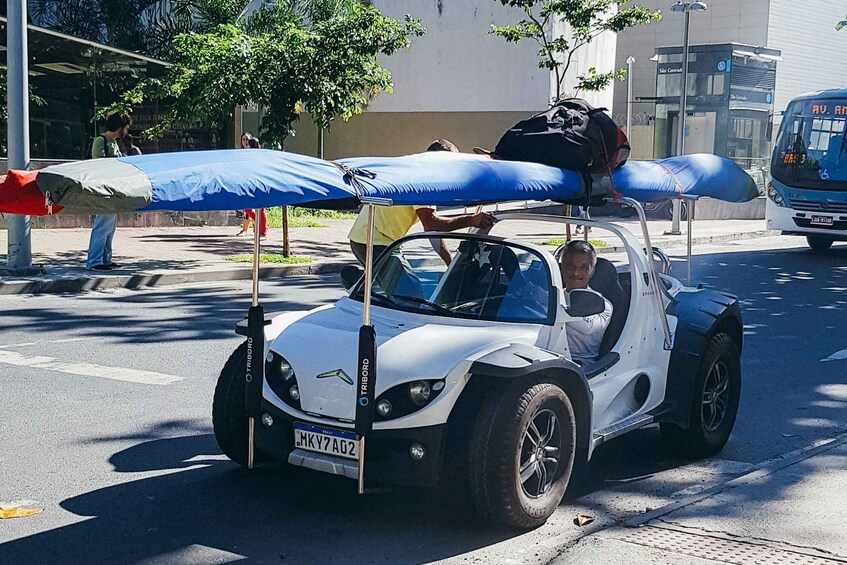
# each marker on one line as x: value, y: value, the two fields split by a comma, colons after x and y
x: 585, y: 334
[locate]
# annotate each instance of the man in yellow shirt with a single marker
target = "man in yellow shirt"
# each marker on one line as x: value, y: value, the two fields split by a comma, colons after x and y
x: 393, y: 222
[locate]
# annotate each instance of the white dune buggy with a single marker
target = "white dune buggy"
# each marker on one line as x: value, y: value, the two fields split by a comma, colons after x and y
x: 475, y: 381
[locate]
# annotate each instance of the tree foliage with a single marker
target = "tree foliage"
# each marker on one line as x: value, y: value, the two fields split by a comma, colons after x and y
x: 318, y: 56
x: 586, y: 20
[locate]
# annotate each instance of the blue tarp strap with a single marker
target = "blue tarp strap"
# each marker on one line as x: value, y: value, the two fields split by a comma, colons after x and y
x: 351, y: 175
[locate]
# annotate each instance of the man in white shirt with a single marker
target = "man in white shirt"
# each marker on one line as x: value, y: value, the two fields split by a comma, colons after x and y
x: 585, y: 334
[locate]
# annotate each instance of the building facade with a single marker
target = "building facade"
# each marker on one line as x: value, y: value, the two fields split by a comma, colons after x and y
x: 804, y: 33
x: 457, y: 82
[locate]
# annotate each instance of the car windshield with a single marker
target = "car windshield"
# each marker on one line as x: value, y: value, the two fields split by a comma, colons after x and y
x: 484, y: 280
x: 811, y: 149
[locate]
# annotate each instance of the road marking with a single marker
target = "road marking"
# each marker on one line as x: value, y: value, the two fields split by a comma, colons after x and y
x: 838, y: 355
x: 31, y: 343
x: 87, y: 369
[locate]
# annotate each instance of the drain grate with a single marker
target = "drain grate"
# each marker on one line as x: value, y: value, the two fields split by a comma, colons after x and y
x: 719, y: 549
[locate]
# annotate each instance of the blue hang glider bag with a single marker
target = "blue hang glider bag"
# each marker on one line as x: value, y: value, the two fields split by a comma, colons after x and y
x: 240, y: 179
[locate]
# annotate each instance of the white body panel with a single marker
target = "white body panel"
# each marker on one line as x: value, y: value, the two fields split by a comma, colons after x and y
x: 412, y: 346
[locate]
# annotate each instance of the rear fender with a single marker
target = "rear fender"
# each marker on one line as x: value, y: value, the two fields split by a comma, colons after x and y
x: 700, y: 315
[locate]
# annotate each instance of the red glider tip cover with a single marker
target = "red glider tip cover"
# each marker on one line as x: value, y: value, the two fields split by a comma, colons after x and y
x: 19, y: 194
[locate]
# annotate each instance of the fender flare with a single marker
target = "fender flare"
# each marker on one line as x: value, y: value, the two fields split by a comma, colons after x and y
x: 517, y: 361
x: 700, y: 315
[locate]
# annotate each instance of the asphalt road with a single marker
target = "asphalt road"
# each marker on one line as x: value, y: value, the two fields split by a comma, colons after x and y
x: 106, y: 425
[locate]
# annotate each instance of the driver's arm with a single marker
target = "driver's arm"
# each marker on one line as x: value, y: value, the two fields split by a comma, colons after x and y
x: 441, y: 248
x: 589, y: 325
x: 431, y: 222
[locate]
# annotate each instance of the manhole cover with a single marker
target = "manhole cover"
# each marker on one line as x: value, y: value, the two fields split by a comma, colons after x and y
x: 719, y: 549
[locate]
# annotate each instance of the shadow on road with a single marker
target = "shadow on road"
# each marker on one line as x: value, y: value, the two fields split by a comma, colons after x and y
x: 268, y: 515
x: 161, y: 315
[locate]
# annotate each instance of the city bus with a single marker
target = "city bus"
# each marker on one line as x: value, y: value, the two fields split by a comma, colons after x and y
x: 808, y: 193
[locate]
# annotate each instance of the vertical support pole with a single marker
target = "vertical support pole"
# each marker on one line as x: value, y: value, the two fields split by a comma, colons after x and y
x: 690, y: 205
x: 630, y: 62
x: 680, y: 134
x: 366, y: 381
x: 255, y: 351
x: 17, y: 80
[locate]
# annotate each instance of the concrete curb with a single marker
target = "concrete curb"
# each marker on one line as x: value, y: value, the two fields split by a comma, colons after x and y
x: 76, y: 284
x: 82, y: 283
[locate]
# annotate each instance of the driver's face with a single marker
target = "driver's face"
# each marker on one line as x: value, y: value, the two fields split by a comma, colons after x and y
x: 576, y: 269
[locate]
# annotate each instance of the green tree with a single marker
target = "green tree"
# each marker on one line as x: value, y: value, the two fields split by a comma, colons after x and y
x: 318, y: 56
x: 586, y: 19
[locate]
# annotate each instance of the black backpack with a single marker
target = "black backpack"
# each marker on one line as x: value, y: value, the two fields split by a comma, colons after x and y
x: 570, y: 135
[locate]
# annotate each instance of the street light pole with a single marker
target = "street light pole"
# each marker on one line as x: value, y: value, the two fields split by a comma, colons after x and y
x: 19, y: 243
x: 630, y: 61
x: 686, y: 8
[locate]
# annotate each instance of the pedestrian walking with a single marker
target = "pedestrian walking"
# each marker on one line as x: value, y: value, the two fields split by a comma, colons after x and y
x: 247, y: 216
x: 106, y: 145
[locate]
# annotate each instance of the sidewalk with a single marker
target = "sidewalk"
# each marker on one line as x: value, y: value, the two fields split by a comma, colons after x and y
x: 788, y: 510
x: 163, y: 256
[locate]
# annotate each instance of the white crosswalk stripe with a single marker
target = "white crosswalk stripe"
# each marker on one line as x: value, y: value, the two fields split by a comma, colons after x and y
x: 87, y: 369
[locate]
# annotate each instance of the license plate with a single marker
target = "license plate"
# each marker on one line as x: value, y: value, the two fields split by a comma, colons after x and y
x: 821, y: 220
x: 324, y: 440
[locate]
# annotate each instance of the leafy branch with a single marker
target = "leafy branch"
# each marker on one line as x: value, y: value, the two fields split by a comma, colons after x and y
x: 586, y: 20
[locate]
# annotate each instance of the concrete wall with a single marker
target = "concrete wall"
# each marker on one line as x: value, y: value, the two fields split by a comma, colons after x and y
x: 726, y: 21
x: 458, y: 66
x: 402, y: 133
x: 813, y: 53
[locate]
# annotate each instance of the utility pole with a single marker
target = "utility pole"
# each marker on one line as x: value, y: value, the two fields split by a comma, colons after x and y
x: 19, y: 240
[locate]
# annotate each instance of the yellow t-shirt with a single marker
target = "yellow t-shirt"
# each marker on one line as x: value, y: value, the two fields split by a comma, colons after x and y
x: 390, y: 224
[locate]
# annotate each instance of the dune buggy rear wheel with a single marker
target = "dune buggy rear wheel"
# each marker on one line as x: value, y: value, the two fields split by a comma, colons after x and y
x: 521, y: 453
x: 714, y: 402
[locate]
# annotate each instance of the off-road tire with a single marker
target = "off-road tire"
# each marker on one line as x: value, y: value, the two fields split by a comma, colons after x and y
x: 698, y: 441
x: 495, y: 453
x: 819, y: 242
x: 229, y: 417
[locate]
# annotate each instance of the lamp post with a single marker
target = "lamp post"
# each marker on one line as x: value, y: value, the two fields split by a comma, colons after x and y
x: 630, y: 61
x: 19, y: 258
x: 686, y: 8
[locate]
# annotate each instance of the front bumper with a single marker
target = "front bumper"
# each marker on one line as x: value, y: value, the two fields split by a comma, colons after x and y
x: 387, y: 458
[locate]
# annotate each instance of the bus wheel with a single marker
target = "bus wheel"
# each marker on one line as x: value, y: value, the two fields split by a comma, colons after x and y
x: 819, y: 242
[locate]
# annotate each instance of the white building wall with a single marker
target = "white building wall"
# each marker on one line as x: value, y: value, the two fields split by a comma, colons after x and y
x: 599, y: 54
x: 813, y: 53
x: 458, y: 66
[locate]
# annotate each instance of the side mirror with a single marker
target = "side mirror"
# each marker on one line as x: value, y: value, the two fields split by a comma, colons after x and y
x: 584, y: 302
x: 350, y: 275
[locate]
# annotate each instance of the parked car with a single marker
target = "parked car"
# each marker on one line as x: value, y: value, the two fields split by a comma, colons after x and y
x: 475, y: 380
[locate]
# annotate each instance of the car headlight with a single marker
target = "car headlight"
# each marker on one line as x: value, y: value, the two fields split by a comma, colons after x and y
x: 775, y: 196
x: 404, y: 399
x: 280, y: 376
x: 419, y: 393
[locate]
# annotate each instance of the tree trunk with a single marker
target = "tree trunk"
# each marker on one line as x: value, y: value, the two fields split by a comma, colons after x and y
x: 286, y: 246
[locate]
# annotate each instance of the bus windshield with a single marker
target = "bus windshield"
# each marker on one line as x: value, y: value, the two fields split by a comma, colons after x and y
x: 811, y: 151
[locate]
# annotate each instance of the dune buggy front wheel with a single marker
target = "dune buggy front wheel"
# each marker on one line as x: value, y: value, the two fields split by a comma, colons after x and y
x: 521, y: 453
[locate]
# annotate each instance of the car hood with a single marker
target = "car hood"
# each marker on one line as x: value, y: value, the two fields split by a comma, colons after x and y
x: 409, y: 347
